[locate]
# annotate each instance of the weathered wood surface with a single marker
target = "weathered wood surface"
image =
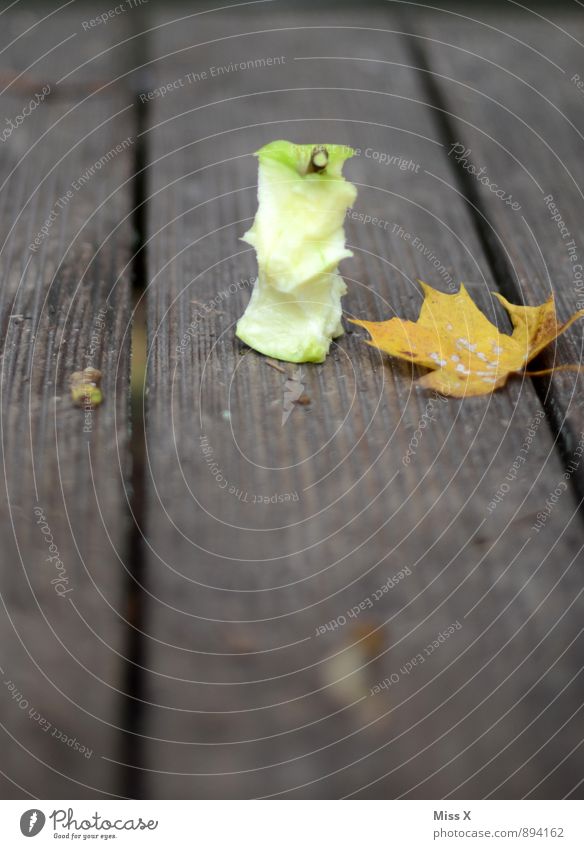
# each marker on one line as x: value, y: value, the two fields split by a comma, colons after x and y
x: 64, y: 529
x: 65, y: 48
x: 243, y: 699
x: 229, y: 692
x: 515, y: 112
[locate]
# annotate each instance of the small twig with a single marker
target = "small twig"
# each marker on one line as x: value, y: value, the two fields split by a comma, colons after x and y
x: 275, y: 366
x: 318, y: 160
x: 303, y: 400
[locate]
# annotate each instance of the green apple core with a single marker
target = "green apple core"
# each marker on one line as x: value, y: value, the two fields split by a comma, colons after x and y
x: 295, y: 308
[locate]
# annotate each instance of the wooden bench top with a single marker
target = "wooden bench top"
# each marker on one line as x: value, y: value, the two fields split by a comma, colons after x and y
x: 379, y: 595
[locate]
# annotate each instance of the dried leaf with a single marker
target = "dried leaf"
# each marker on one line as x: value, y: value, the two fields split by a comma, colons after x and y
x: 468, y: 354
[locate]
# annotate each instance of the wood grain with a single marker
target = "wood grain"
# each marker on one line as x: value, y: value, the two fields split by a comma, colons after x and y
x: 66, y: 47
x: 64, y: 305
x: 512, y: 105
x: 244, y: 699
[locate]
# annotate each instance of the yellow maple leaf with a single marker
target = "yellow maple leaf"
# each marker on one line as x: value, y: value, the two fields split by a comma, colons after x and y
x: 468, y: 354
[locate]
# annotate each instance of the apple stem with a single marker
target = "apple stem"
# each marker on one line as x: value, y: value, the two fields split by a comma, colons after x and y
x: 318, y: 160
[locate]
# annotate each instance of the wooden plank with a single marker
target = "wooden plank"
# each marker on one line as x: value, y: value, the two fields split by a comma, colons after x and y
x: 72, y: 47
x: 515, y: 110
x: 65, y: 239
x: 244, y: 699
